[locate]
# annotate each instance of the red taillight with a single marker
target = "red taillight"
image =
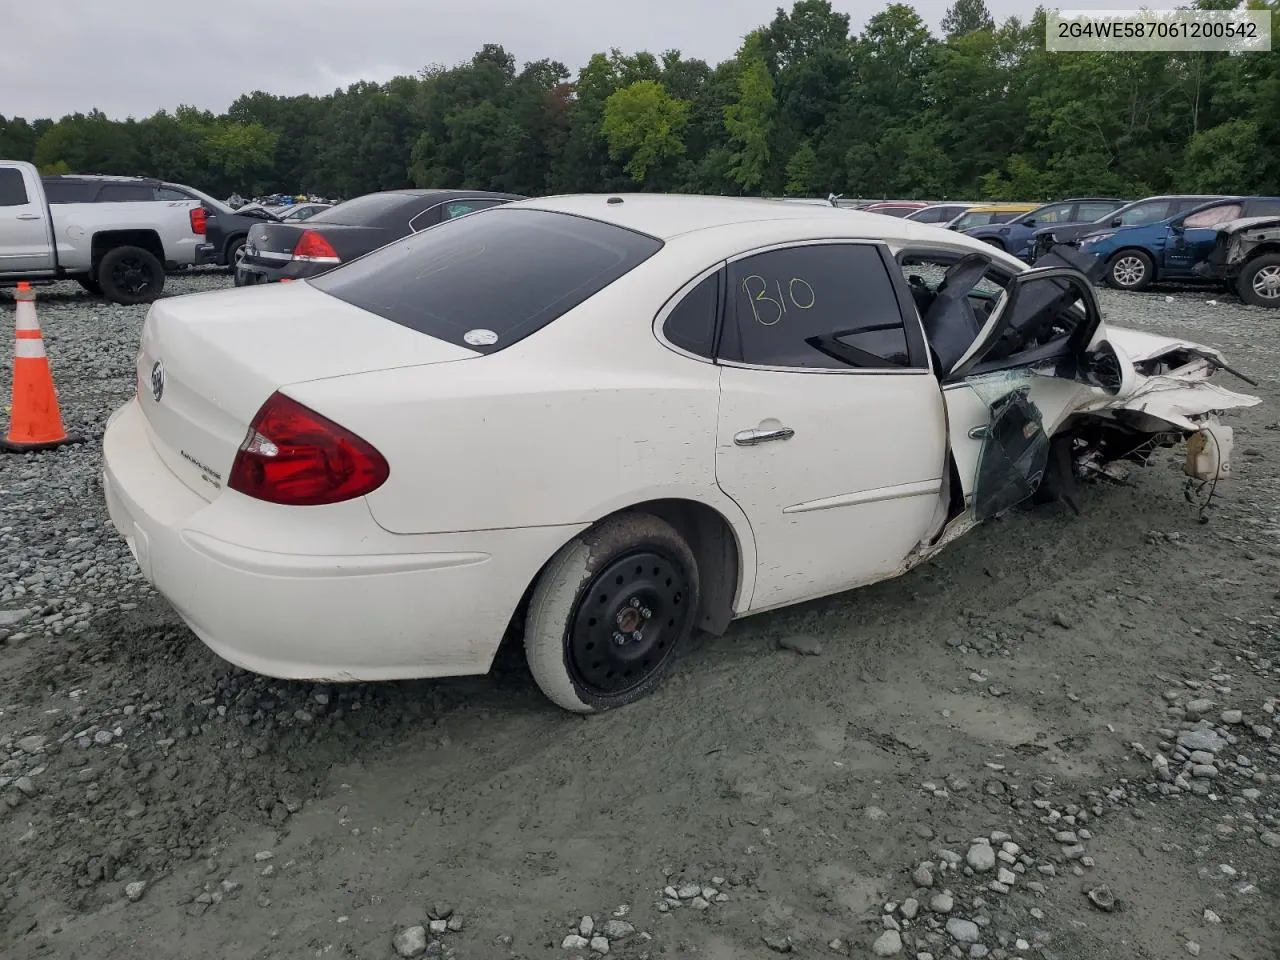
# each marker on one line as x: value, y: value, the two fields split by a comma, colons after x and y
x: 294, y: 456
x: 198, y: 219
x: 312, y: 246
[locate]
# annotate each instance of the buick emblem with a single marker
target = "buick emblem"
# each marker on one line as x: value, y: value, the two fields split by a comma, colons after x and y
x: 157, y: 381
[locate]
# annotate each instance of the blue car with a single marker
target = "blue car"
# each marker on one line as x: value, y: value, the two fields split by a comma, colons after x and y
x: 1017, y: 236
x: 1169, y: 249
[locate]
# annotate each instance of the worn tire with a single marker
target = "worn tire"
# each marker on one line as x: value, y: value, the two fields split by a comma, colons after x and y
x: 234, y: 249
x: 1130, y: 270
x: 575, y: 572
x: 1269, y: 262
x: 90, y: 285
x: 150, y: 270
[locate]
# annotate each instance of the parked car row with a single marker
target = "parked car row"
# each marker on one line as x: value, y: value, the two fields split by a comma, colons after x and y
x: 1190, y: 238
x: 277, y: 251
x: 1234, y: 241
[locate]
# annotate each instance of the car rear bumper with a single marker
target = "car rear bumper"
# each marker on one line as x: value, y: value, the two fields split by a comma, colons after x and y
x: 358, y: 603
x: 251, y: 273
x: 206, y: 254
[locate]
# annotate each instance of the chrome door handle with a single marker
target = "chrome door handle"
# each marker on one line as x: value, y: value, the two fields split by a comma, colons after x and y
x: 749, y: 438
x: 28, y: 216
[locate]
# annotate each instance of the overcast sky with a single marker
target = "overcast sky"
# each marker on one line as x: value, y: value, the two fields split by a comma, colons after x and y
x: 133, y: 57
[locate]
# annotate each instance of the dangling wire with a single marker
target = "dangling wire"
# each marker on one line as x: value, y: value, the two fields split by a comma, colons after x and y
x: 1202, y: 514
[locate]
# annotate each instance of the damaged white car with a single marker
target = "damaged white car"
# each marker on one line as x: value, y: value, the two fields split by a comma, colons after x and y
x: 603, y: 422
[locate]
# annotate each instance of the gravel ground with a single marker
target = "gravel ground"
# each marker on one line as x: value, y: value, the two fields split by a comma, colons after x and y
x: 1056, y: 740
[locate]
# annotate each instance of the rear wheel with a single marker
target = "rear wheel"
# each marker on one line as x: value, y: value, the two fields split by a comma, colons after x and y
x: 130, y: 275
x: 1130, y: 270
x: 1259, y: 282
x: 235, y: 253
x: 610, y: 611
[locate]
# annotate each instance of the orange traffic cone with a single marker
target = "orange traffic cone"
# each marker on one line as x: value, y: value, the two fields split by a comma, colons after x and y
x: 35, y: 422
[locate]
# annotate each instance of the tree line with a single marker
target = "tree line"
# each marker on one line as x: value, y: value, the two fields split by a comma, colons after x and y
x: 803, y: 108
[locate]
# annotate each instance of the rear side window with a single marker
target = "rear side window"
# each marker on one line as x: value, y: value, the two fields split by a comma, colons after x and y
x: 459, y: 208
x: 692, y: 324
x: 62, y: 191
x: 362, y: 211
x: 487, y: 282
x: 13, y: 192
x: 1095, y: 210
x: 168, y: 193
x: 126, y: 193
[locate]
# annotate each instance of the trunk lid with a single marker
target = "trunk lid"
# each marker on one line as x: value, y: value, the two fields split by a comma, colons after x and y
x: 209, y: 361
x: 272, y: 243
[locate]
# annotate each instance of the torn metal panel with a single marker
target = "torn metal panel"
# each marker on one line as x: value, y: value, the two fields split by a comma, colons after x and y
x: 1237, y: 242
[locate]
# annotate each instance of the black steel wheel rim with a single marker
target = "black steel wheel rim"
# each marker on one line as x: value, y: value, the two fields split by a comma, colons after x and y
x: 131, y: 275
x: 625, y: 624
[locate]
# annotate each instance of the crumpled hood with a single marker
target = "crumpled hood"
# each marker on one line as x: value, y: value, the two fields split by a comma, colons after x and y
x: 1177, y: 395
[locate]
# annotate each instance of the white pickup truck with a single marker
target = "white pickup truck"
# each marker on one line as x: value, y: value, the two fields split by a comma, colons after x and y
x: 111, y: 234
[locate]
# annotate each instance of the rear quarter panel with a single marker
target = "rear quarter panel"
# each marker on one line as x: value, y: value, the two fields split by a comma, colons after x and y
x: 75, y: 225
x: 587, y: 416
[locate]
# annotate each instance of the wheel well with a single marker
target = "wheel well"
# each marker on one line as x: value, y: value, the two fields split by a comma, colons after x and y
x: 231, y: 241
x: 108, y: 240
x: 715, y: 548
x: 1266, y: 248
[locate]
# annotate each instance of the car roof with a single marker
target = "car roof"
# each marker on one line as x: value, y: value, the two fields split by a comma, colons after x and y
x: 667, y: 216
x: 1003, y: 207
x: 1185, y: 196
x: 100, y: 178
x: 439, y: 192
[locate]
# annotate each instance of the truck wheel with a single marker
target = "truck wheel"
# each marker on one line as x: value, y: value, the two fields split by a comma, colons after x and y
x: 90, y: 285
x: 130, y: 275
x: 1259, y: 282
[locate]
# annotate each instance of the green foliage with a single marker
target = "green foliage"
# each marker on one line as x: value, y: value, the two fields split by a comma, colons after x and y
x: 980, y: 112
x: 801, y: 170
x: 645, y: 123
x: 749, y: 119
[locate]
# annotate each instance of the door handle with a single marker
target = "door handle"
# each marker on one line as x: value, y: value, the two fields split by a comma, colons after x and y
x: 28, y: 216
x: 749, y: 438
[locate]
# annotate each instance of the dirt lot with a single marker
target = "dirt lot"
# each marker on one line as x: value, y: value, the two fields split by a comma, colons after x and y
x: 1039, y: 688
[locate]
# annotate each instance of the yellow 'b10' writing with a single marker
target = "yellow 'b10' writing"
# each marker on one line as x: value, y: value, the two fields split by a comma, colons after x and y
x: 798, y: 293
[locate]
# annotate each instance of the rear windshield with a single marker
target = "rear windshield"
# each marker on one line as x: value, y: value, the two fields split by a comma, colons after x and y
x: 485, y: 282
x: 362, y: 211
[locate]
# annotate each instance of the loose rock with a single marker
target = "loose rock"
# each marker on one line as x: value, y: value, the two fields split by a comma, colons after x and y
x: 410, y: 942
x: 963, y: 931
x: 888, y: 944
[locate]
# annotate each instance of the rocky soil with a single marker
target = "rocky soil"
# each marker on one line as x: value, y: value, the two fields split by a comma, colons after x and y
x: 1057, y: 740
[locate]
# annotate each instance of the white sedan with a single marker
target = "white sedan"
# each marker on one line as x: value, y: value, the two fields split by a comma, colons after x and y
x: 608, y: 421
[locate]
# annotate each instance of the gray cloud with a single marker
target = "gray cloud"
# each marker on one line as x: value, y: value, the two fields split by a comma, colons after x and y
x: 133, y: 57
